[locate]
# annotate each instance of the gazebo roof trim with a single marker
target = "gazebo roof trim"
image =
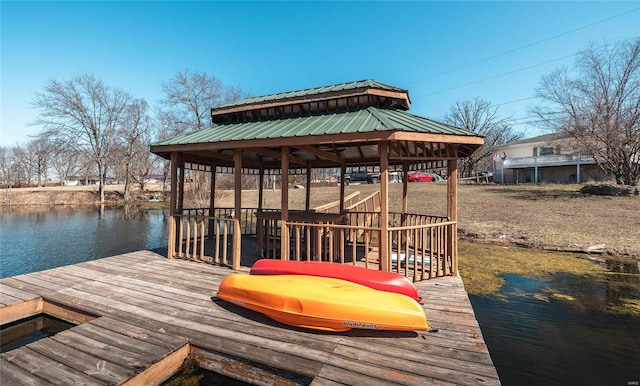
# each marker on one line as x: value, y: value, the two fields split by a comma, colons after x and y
x: 315, y: 91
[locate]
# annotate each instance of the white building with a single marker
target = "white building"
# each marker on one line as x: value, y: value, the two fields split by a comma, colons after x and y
x: 546, y: 158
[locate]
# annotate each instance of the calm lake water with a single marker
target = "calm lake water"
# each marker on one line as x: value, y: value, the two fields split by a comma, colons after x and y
x: 37, y: 240
x: 562, y: 330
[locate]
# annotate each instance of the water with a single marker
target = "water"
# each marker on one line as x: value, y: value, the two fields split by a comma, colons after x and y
x: 29, y: 330
x: 36, y: 240
x: 562, y: 330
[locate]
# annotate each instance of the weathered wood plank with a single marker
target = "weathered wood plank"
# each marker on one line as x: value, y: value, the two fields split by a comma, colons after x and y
x: 151, y: 336
x: 81, y: 361
x: 34, y: 284
x: 150, y: 351
x: 20, y: 310
x: 15, y: 292
x: 115, y: 355
x: 48, y: 368
x: 249, y: 372
x: 12, y: 374
x: 161, y: 370
x: 444, y: 369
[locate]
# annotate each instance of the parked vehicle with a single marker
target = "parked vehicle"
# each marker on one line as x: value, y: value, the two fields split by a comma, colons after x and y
x: 369, y: 178
x: 424, y: 177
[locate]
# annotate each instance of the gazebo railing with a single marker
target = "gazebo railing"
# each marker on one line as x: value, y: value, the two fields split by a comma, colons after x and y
x: 248, y: 224
x: 423, y: 249
x: 420, y: 246
x: 190, y: 234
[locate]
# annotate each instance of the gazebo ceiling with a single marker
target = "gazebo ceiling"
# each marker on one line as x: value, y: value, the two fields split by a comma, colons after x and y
x: 334, y: 135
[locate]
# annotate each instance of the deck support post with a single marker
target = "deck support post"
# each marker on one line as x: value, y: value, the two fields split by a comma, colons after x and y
x: 284, y: 202
x: 384, y: 255
x: 452, y: 212
x: 237, y: 215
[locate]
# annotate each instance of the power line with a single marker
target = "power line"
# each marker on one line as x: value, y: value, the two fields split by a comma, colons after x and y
x: 523, y: 47
x: 509, y: 72
x: 496, y: 76
x: 513, y: 101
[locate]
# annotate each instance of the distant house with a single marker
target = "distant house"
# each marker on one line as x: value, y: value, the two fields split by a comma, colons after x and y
x: 90, y: 180
x: 154, y: 178
x: 546, y: 158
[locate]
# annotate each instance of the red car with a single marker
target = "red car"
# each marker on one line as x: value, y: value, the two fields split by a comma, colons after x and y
x: 420, y: 177
x: 424, y: 177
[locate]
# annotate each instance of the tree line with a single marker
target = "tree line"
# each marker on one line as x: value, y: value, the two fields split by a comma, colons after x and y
x: 92, y: 130
x: 89, y: 128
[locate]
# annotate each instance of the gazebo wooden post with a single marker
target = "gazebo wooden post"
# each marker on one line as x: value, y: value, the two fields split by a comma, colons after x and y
x: 383, y: 251
x: 343, y: 171
x: 259, y: 225
x: 212, y: 201
x: 260, y: 188
x: 284, y: 202
x: 237, y: 215
x: 181, y: 181
x: 307, y: 197
x: 452, y: 212
x: 173, y: 202
x: 405, y: 192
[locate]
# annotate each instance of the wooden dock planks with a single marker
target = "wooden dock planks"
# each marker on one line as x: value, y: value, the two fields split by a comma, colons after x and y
x: 147, y: 308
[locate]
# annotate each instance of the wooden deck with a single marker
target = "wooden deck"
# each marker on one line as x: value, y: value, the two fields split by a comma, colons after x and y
x: 140, y: 315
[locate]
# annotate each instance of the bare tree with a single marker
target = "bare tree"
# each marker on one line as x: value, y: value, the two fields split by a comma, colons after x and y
x: 598, y: 104
x: 478, y: 116
x: 66, y: 163
x: 6, y: 160
x: 41, y: 152
x: 23, y: 169
x: 133, y: 140
x: 85, y: 112
x: 189, y: 97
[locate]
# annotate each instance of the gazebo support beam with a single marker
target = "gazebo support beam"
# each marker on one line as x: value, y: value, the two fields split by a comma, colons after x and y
x: 212, y: 201
x: 384, y: 206
x: 237, y: 212
x: 452, y: 212
x: 173, y: 202
x: 284, y: 218
x: 343, y: 171
x: 260, y: 188
x: 307, y: 193
x: 405, y: 192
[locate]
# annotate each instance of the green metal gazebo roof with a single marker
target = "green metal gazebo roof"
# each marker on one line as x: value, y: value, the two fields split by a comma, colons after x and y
x: 336, y: 124
x: 361, y: 121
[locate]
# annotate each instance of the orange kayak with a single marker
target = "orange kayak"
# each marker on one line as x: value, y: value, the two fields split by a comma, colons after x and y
x: 380, y: 280
x: 322, y: 303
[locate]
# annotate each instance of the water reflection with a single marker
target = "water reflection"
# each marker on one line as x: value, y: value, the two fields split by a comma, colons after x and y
x: 35, y: 240
x: 561, y: 331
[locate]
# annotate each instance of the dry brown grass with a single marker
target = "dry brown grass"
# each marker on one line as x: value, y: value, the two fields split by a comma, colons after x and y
x: 553, y: 216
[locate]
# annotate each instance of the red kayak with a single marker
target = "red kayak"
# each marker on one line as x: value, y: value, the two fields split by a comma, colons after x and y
x: 380, y: 280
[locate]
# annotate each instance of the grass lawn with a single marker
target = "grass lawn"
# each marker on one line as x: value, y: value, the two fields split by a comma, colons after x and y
x: 538, y: 216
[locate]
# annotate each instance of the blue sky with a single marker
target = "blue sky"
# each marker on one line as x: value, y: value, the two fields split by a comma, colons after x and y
x: 442, y: 52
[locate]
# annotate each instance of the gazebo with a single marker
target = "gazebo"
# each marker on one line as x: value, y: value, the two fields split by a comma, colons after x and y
x: 362, y: 125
